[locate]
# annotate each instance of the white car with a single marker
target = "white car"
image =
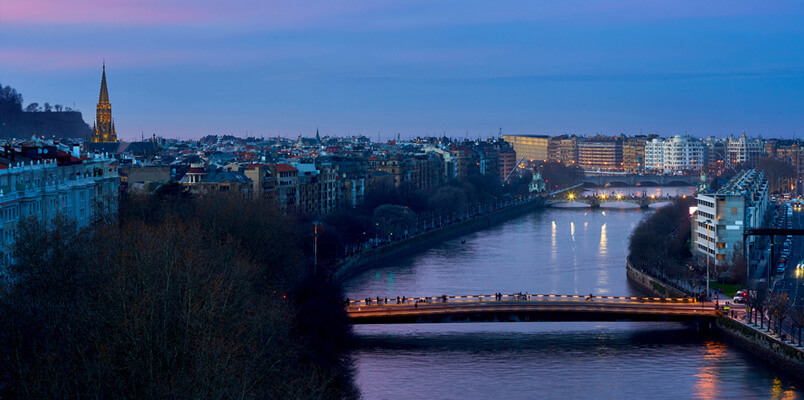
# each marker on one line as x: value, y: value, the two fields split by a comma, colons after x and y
x: 740, y: 296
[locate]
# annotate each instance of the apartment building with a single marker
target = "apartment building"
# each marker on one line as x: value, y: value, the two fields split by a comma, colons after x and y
x: 722, y: 217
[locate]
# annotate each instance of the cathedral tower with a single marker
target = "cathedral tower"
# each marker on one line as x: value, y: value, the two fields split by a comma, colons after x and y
x: 103, y: 131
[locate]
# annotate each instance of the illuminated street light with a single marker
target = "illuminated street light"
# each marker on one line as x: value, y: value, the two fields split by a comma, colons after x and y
x: 571, y: 196
x: 619, y: 196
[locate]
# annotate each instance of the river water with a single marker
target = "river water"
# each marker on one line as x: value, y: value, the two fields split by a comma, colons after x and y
x: 558, y: 250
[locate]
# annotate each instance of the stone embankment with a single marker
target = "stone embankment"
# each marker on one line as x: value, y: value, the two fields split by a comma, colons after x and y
x: 365, y: 260
x: 783, y: 355
x: 652, y: 284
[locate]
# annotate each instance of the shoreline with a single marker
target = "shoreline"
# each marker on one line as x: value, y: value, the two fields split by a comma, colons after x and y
x: 350, y: 266
x: 782, y: 356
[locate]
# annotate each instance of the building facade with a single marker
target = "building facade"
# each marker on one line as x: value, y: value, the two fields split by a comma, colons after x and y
x: 722, y: 217
x: 743, y: 150
x: 600, y: 154
x: 47, y: 189
x: 634, y: 154
x: 563, y: 149
x: 532, y: 147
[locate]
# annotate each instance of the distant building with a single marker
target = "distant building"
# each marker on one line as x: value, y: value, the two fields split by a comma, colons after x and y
x: 532, y: 147
x: 676, y: 154
x: 506, y: 158
x: 103, y: 131
x: 744, y: 150
x: 722, y: 217
x: 601, y: 153
x: 563, y: 149
x: 634, y: 154
x: 211, y: 179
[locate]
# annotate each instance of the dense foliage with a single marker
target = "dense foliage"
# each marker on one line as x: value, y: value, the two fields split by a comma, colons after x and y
x: 183, y: 298
x: 659, y: 243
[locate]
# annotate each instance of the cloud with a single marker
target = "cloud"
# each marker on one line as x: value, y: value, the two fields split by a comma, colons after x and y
x: 256, y: 13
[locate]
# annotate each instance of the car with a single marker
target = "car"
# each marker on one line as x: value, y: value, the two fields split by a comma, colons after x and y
x: 740, y: 297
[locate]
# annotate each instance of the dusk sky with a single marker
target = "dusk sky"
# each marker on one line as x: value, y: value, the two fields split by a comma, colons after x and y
x: 188, y: 68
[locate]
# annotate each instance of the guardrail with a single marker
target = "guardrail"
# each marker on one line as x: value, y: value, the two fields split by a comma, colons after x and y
x: 383, y: 301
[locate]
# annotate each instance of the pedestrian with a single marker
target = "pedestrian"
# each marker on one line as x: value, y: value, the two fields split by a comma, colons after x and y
x: 347, y: 301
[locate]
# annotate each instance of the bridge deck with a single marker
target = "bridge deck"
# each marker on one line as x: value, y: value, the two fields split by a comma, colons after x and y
x: 528, y: 308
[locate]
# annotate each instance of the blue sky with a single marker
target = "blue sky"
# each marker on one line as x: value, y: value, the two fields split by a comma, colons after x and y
x: 188, y: 68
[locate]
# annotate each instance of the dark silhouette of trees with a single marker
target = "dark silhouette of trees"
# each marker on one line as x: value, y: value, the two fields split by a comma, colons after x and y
x: 778, y: 305
x: 659, y: 243
x: 558, y: 175
x: 10, y: 100
x: 210, y: 299
x: 775, y: 172
x: 758, y: 301
x: 33, y: 107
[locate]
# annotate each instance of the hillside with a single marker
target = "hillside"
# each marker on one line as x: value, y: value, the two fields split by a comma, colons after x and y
x: 17, y: 123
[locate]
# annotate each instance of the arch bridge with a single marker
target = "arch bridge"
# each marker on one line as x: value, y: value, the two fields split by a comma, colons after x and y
x: 528, y: 307
x: 640, y: 180
x: 597, y: 201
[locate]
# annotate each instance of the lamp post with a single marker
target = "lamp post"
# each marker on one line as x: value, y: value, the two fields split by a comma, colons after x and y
x: 315, y: 248
x: 708, y: 228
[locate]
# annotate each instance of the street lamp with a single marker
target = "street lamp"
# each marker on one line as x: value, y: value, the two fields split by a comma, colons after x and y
x: 708, y: 228
x: 315, y: 249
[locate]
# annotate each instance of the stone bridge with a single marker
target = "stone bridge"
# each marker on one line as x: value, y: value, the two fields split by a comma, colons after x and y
x: 640, y: 180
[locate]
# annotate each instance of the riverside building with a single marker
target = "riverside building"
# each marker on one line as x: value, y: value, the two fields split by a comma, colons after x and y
x: 532, y: 147
x: 722, y: 217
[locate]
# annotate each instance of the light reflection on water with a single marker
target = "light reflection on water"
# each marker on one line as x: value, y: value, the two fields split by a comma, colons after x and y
x: 542, y: 360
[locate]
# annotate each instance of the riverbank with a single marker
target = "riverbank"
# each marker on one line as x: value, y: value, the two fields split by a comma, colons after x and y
x: 782, y: 355
x: 653, y: 284
x: 365, y: 260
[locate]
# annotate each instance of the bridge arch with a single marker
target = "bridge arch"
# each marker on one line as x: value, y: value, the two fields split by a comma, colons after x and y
x: 617, y: 184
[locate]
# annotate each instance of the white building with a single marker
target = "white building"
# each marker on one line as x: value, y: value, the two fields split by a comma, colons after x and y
x: 676, y: 154
x: 654, y: 155
x: 46, y: 189
x: 744, y: 150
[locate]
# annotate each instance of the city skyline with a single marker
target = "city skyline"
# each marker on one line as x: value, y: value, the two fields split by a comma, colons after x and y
x: 188, y: 69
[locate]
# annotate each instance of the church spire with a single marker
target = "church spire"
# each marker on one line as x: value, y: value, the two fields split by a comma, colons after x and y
x: 104, y: 124
x: 104, y: 92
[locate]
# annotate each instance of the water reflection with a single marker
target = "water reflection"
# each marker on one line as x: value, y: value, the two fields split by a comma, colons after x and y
x: 708, y: 380
x: 547, y: 360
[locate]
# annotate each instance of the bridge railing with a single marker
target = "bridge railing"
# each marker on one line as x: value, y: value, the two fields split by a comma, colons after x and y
x: 519, y: 297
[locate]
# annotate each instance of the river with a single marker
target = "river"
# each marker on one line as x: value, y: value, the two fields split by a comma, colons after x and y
x: 565, y: 251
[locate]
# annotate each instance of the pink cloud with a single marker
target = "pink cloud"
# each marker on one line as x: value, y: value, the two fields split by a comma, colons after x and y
x: 97, y: 11
x: 266, y: 14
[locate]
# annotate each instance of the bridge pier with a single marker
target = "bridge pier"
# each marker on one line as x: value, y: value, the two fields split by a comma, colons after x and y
x: 704, y: 326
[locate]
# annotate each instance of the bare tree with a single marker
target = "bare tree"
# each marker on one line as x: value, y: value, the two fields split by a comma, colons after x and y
x: 777, y: 310
x: 757, y: 300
